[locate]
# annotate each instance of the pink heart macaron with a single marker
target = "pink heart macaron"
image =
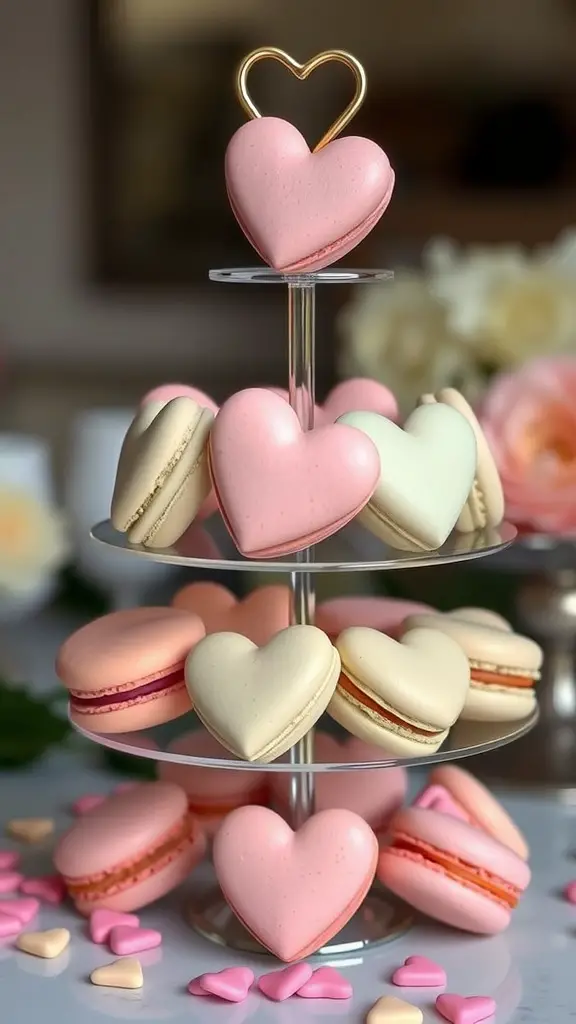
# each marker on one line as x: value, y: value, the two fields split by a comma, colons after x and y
x: 131, y: 850
x: 385, y: 614
x: 259, y: 616
x: 300, y: 210
x: 212, y: 793
x: 358, y: 393
x: 281, y: 489
x: 475, y: 804
x: 452, y: 871
x: 375, y: 800
x: 125, y: 671
x: 294, y: 890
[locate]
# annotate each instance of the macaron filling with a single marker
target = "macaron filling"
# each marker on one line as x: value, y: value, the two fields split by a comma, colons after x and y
x: 92, y: 702
x: 123, y: 876
x: 458, y: 870
x: 385, y: 716
x: 485, y: 674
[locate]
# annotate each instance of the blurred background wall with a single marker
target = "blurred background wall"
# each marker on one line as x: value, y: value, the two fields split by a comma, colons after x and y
x: 447, y: 80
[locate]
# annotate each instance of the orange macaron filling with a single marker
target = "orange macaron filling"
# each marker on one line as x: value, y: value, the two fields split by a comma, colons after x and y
x: 109, y: 699
x: 123, y: 876
x: 346, y: 686
x: 494, y: 676
x: 455, y: 868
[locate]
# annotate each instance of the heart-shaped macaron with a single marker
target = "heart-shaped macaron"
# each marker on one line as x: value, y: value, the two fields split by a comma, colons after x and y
x: 437, y: 798
x: 465, y: 1009
x: 375, y: 803
x: 303, y: 210
x: 356, y: 394
x: 419, y: 972
x: 294, y: 890
x: 427, y: 472
x: 401, y: 696
x: 280, y: 488
x: 259, y: 616
x: 259, y: 701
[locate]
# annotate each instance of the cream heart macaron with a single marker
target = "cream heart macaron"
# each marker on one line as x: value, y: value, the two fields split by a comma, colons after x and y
x: 259, y: 701
x: 504, y: 666
x: 402, y: 696
x: 427, y: 471
x: 485, y: 504
x: 163, y: 475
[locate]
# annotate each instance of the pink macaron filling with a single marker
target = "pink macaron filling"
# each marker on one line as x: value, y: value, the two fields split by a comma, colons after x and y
x: 470, y: 875
x: 122, y: 876
x: 92, y: 702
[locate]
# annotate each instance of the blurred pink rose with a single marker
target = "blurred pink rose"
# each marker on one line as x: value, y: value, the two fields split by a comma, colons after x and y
x: 530, y: 422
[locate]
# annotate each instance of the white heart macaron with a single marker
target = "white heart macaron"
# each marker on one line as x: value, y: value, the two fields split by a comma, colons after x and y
x: 427, y: 471
x: 504, y: 666
x: 402, y: 696
x: 485, y: 504
x: 163, y: 475
x: 259, y: 701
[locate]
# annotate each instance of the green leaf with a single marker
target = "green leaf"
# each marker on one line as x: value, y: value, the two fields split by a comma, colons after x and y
x: 28, y: 726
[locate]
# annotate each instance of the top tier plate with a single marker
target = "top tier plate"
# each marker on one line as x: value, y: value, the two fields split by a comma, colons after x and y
x: 354, y: 549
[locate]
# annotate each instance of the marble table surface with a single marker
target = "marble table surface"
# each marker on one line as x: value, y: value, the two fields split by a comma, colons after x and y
x: 529, y: 970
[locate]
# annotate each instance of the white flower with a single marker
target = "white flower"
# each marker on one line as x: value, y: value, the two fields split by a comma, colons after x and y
x: 506, y: 306
x: 464, y: 279
x: 32, y: 541
x: 398, y: 334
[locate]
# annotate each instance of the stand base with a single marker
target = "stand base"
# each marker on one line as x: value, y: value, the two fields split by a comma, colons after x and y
x: 380, y: 919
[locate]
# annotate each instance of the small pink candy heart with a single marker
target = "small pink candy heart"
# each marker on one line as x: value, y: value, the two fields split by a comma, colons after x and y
x: 10, y: 881
x: 49, y: 889
x: 103, y: 921
x: 231, y: 984
x: 436, y: 798
x: 465, y: 1010
x: 9, y: 925
x: 570, y: 892
x: 125, y: 940
x: 419, y: 972
x: 87, y: 803
x: 280, y: 985
x: 23, y: 909
x: 9, y: 860
x: 326, y: 983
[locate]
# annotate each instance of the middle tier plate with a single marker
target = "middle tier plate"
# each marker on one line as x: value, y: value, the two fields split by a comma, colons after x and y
x: 353, y: 549
x: 464, y: 740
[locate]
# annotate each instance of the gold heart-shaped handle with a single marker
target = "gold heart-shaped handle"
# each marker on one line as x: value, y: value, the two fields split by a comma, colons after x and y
x: 301, y: 72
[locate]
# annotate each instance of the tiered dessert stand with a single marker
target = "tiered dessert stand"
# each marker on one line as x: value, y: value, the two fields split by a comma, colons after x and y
x: 352, y: 550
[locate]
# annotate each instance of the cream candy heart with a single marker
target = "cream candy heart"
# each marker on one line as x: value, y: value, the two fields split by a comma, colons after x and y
x: 390, y: 1010
x: 30, y: 830
x: 401, y: 696
x: 427, y: 471
x: 44, y: 944
x: 124, y: 973
x: 258, y: 701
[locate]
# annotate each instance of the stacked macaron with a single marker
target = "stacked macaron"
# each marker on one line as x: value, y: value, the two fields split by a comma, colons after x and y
x: 280, y: 489
x: 456, y: 854
x: 504, y: 666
